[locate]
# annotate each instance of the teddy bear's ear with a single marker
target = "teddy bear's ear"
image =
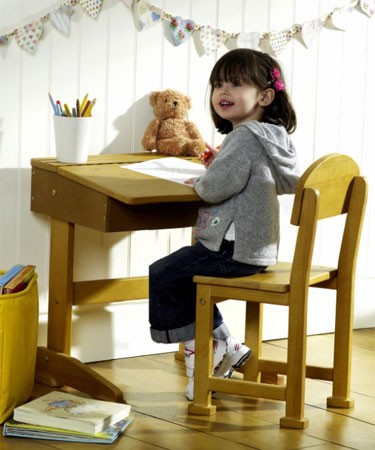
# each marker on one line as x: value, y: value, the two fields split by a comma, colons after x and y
x: 188, y: 101
x: 154, y: 97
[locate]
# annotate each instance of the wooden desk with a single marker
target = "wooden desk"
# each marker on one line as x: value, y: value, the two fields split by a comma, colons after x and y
x: 103, y: 196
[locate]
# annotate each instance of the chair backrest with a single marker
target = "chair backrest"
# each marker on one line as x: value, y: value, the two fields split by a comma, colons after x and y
x: 331, y: 186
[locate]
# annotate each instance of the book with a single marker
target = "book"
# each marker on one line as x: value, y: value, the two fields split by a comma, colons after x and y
x: 8, y: 275
x: 13, y: 428
x: 71, y: 412
x: 20, y: 281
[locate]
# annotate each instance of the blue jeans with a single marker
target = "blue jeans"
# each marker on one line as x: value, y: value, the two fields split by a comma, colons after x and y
x: 172, y: 291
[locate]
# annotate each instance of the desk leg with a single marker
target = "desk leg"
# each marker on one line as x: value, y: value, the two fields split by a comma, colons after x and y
x: 60, y: 286
x: 54, y: 366
x: 57, y: 369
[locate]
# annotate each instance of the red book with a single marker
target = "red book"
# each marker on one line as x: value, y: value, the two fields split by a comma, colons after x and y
x: 20, y: 281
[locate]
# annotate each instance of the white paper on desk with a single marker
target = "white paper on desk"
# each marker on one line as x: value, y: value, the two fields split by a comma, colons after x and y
x: 172, y: 169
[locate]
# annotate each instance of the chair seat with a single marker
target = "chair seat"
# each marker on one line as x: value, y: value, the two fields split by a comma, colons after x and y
x: 275, y: 279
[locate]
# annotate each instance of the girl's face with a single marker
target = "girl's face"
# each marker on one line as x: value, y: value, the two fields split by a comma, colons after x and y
x: 237, y: 102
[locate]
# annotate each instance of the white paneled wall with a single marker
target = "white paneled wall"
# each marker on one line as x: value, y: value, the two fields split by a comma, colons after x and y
x: 331, y: 85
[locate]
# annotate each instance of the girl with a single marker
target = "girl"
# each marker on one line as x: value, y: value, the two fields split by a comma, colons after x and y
x: 237, y: 231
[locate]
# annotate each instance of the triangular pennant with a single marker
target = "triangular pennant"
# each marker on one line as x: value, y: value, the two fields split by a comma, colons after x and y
x: 28, y: 36
x: 146, y: 15
x: 249, y: 40
x: 181, y: 29
x: 279, y: 40
x: 60, y: 18
x: 128, y: 3
x: 367, y: 6
x: 340, y: 18
x: 91, y: 7
x: 310, y: 32
x: 212, y: 39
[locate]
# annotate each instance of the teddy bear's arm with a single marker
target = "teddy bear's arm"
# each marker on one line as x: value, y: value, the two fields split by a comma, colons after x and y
x: 192, y: 130
x: 151, y: 134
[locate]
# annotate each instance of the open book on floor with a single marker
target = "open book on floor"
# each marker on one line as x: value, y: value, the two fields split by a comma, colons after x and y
x: 71, y: 412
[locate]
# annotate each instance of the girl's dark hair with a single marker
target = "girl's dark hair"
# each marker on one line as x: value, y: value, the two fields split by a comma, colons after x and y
x: 254, y: 68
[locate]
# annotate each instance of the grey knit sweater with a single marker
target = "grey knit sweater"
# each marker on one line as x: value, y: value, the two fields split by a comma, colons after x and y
x: 256, y: 163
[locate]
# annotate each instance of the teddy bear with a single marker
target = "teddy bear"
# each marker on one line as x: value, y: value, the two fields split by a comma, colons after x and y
x: 170, y: 133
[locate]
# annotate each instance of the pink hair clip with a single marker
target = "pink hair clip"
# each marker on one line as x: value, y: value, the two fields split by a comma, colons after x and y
x: 276, y: 82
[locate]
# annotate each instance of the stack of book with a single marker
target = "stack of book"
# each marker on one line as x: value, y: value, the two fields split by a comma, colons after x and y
x: 62, y: 416
x: 16, y: 279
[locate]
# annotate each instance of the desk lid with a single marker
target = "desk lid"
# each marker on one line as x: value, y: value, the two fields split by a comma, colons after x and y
x: 104, y: 174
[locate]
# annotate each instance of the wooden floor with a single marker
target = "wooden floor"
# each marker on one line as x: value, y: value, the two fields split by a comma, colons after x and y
x: 154, y: 386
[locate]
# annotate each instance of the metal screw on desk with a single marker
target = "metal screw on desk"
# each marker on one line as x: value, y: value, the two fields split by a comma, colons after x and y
x: 202, y: 301
x: 54, y: 192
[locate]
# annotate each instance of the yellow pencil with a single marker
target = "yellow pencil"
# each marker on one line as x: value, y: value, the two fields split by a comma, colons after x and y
x: 66, y: 107
x: 83, y: 102
x: 89, y: 109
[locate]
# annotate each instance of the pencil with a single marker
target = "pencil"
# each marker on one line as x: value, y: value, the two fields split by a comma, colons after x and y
x: 66, y: 107
x: 89, y: 109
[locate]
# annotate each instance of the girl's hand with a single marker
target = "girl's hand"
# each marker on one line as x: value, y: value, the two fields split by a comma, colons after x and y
x: 208, y: 155
x: 190, y: 181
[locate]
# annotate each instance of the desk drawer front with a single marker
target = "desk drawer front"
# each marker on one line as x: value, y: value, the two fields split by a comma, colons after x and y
x: 65, y: 200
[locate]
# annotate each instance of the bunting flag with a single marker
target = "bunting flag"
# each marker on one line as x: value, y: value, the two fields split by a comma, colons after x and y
x: 28, y: 36
x: 340, y: 18
x: 60, y: 18
x: 367, y: 6
x: 91, y: 7
x: 249, y: 40
x: 310, y: 32
x: 181, y: 29
x: 146, y: 15
x: 279, y: 40
x: 212, y: 39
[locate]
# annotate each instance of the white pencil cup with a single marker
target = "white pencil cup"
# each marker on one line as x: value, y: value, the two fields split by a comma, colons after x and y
x: 72, y: 138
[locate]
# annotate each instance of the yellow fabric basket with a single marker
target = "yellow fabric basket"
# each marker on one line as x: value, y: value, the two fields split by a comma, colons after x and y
x: 19, y: 317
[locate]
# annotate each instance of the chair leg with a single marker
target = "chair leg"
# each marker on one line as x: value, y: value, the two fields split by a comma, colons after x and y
x: 180, y: 354
x: 342, y: 349
x: 296, y: 366
x: 203, y: 354
x: 253, y: 339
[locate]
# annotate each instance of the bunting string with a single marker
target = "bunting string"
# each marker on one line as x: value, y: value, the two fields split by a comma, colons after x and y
x: 182, y: 29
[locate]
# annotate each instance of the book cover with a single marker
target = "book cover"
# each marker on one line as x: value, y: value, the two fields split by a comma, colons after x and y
x: 13, y: 428
x: 20, y: 281
x: 7, y: 276
x: 71, y: 412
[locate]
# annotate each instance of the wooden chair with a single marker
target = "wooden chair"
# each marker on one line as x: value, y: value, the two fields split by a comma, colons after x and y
x: 330, y: 187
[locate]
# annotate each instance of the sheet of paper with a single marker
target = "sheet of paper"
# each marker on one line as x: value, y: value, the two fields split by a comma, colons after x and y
x: 172, y: 169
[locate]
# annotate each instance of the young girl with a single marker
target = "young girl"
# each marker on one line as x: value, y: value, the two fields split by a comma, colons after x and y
x: 237, y: 231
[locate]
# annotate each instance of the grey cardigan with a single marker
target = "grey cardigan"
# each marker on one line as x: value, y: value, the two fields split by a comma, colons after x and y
x: 256, y: 163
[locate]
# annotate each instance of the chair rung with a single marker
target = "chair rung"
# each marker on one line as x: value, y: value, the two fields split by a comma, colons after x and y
x: 280, y: 367
x: 248, y: 388
x: 268, y: 365
x: 319, y: 373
